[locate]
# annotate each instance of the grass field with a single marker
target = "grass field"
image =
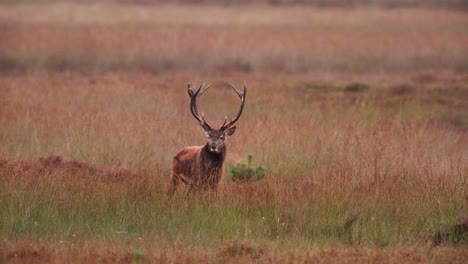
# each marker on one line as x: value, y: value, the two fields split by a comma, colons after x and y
x: 358, y: 115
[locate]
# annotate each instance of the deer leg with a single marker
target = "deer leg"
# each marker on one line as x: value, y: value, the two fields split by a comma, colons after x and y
x: 174, y: 182
x: 190, y: 188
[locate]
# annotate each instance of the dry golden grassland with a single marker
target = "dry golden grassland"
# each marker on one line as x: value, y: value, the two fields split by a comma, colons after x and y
x: 243, y: 38
x: 358, y: 115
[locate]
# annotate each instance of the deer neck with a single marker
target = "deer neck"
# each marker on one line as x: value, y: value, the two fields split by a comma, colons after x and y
x: 215, y: 160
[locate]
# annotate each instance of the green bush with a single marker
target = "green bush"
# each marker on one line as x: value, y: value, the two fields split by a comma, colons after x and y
x: 244, y: 172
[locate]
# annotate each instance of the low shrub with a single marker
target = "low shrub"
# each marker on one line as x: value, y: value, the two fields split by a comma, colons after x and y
x: 245, y: 172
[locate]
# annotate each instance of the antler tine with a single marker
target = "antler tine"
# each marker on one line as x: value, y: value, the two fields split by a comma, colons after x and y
x: 189, y: 89
x: 204, y: 89
x: 193, y: 105
x: 242, y: 97
x: 198, y: 93
x: 225, y: 120
x: 239, y: 93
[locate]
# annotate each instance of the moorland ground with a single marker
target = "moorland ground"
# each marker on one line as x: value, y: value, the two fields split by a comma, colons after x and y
x: 358, y: 115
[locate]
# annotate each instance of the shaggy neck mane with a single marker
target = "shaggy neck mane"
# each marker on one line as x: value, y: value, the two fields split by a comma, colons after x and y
x: 210, y: 159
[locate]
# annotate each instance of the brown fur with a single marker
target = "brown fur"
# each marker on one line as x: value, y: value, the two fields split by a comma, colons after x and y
x: 197, y: 167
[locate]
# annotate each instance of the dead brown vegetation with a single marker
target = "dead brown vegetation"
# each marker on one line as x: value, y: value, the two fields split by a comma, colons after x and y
x: 58, y: 164
x: 231, y: 252
x: 366, y: 164
x: 358, y: 115
x: 246, y: 39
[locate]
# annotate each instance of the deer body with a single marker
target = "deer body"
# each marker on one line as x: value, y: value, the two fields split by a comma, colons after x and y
x: 201, y: 167
x: 197, y: 167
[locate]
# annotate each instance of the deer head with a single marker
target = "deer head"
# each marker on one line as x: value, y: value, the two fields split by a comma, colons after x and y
x: 215, y: 136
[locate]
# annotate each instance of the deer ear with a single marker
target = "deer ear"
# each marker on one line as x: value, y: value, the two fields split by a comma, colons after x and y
x: 230, y: 131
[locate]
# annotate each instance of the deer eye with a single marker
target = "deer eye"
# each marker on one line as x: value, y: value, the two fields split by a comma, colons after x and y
x: 221, y: 137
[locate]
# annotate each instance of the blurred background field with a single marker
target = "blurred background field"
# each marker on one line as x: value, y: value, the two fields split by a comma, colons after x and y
x: 357, y: 110
x: 102, y: 37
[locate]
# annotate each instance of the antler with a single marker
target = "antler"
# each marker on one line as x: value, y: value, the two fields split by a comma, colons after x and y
x: 193, y: 104
x: 242, y: 97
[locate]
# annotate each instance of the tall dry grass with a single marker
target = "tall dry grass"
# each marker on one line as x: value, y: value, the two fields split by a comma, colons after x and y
x: 92, y: 38
x: 373, y: 168
x: 359, y: 117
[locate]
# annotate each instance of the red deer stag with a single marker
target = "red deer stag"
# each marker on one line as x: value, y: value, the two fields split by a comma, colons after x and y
x: 202, y: 166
